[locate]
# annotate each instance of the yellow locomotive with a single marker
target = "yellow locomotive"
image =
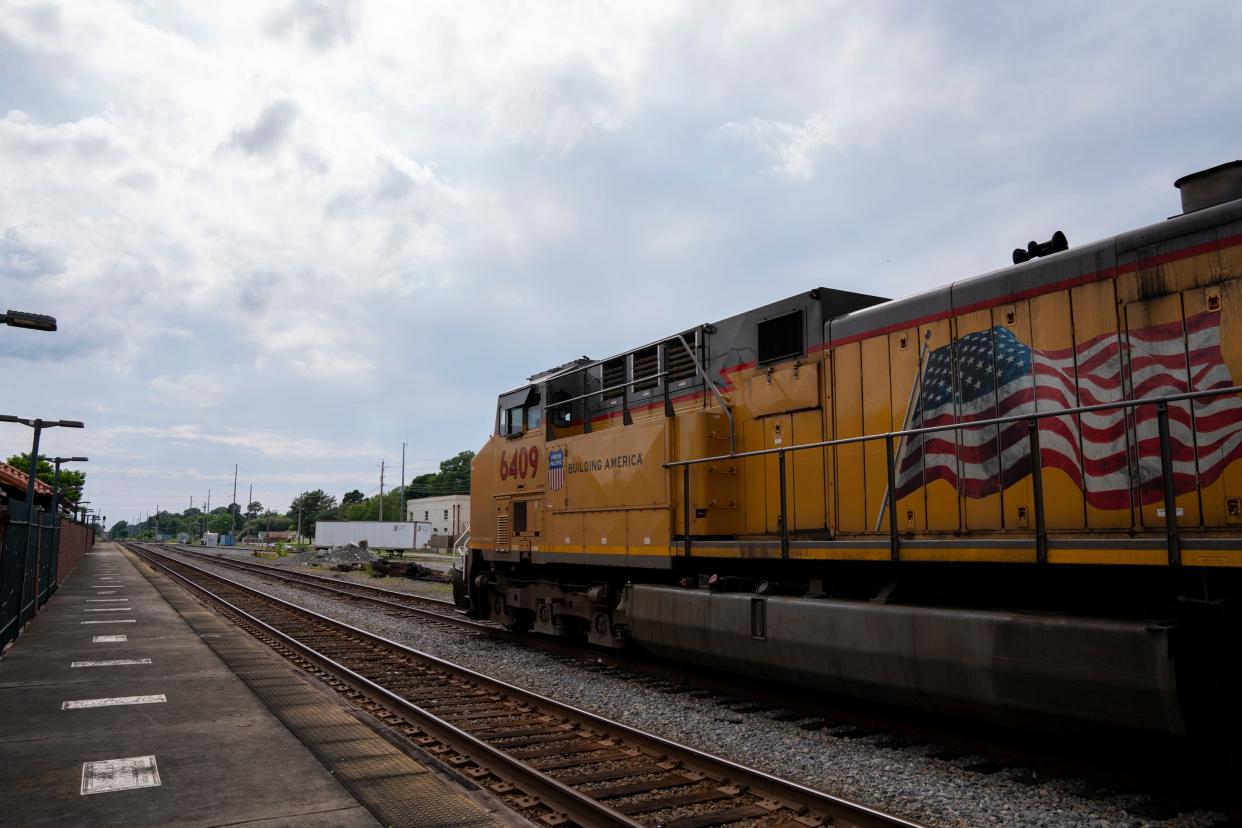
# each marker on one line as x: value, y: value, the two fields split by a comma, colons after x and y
x: 1016, y: 496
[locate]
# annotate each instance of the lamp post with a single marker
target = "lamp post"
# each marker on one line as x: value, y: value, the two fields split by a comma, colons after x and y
x: 32, y: 526
x: 30, y: 321
x: 56, y: 462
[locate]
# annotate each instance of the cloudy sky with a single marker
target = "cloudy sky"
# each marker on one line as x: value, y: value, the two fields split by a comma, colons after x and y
x: 287, y: 235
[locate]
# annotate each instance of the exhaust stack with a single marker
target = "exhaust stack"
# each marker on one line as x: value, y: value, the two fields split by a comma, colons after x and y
x: 1210, y: 187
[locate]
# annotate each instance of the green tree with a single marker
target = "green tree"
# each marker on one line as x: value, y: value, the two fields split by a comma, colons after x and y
x: 353, y: 497
x: 453, y: 478
x: 219, y: 522
x: 456, y: 469
x: 71, y: 482
x: 311, y: 505
x: 253, y: 509
x: 120, y: 529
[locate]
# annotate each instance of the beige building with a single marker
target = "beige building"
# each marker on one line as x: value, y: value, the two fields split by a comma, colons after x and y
x: 447, y: 514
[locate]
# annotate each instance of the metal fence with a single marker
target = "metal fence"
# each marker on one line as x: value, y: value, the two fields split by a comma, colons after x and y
x: 31, y: 572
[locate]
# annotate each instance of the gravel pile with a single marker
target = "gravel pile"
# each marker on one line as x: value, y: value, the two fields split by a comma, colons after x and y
x: 353, y: 557
x: 425, y: 589
x: 873, y: 770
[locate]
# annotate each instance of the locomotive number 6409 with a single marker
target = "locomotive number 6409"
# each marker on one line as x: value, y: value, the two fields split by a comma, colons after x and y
x: 522, y: 463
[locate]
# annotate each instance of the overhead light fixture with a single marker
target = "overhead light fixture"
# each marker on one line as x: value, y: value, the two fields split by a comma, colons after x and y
x: 30, y: 321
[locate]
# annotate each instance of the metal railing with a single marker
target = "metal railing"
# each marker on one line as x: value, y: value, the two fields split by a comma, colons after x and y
x: 1031, y: 419
x: 462, y: 543
x: 625, y: 387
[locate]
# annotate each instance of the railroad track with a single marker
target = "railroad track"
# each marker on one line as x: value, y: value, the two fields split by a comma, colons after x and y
x: 552, y: 763
x: 1179, y: 782
x: 1129, y: 767
x: 379, y: 595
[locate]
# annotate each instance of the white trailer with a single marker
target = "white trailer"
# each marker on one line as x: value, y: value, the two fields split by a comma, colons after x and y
x: 422, y: 534
x: 378, y: 534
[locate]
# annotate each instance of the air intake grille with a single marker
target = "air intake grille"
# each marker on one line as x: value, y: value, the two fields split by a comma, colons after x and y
x: 614, y: 375
x: 781, y: 338
x: 502, y: 531
x: 678, y: 362
x: 646, y: 364
x: 519, y: 516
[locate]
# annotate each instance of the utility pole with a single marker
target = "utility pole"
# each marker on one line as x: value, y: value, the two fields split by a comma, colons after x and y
x: 207, y: 514
x: 250, y: 499
x: 381, y: 502
x: 157, y: 521
x: 403, y: 515
x: 233, y: 508
x: 299, y: 525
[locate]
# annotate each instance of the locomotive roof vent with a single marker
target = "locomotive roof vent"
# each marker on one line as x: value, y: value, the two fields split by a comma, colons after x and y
x: 1210, y: 187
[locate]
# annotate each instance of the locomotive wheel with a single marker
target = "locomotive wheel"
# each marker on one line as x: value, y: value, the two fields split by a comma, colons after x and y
x: 519, y: 621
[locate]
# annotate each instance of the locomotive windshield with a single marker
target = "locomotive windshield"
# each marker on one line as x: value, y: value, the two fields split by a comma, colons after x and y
x: 518, y: 411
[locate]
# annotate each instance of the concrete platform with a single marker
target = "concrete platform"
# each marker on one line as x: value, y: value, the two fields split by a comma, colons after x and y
x: 187, y: 720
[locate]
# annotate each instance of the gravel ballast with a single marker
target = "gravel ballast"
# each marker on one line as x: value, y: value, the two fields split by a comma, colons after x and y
x: 906, y: 781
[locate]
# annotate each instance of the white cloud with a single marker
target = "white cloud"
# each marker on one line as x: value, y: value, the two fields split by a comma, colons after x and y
x: 346, y: 219
x: 267, y: 443
x: 795, y: 147
x: 190, y: 390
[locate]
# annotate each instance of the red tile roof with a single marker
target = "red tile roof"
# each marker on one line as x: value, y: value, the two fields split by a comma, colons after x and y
x: 16, y: 478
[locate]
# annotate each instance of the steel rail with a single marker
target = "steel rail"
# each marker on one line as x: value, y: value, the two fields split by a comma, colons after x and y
x: 557, y: 646
x: 581, y: 808
x: 760, y: 782
x: 335, y: 584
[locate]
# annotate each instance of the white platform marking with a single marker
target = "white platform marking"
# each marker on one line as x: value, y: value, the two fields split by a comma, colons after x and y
x: 112, y: 621
x: 107, y: 609
x: 82, y: 704
x: 104, y: 600
x: 119, y: 662
x: 119, y: 775
x: 109, y: 639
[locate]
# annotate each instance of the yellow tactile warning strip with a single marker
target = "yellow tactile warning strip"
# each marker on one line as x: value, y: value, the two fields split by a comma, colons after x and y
x: 394, y: 787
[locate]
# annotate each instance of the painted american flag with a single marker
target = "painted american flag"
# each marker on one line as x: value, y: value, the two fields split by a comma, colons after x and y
x: 1114, y: 456
x: 556, y: 470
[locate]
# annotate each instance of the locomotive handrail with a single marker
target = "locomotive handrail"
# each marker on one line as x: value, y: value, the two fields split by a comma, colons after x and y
x: 625, y: 386
x: 711, y: 385
x: 603, y: 391
x: 1011, y: 418
x: 1032, y: 421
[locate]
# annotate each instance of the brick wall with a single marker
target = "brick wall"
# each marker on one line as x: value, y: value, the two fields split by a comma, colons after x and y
x: 75, y: 540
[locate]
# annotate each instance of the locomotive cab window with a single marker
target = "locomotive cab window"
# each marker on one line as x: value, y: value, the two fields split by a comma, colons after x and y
x: 563, y: 414
x: 534, y: 411
x: 781, y: 337
x: 517, y: 409
x: 511, y: 421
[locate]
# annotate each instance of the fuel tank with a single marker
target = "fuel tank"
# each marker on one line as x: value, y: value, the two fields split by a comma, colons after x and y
x: 1017, y: 669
